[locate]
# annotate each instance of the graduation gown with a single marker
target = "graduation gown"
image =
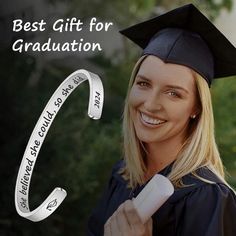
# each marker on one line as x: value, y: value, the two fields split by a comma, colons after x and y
x: 202, y: 209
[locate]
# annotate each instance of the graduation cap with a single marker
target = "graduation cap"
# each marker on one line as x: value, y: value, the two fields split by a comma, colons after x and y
x: 185, y: 36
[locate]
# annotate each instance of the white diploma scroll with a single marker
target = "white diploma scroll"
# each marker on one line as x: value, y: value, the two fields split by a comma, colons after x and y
x: 153, y: 196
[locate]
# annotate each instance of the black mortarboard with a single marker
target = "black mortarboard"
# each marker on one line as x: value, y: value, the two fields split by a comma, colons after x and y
x: 185, y: 36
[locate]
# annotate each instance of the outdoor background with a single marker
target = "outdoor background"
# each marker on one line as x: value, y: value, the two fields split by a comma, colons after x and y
x: 78, y: 152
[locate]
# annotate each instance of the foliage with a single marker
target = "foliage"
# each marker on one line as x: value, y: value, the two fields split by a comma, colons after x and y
x: 210, y: 7
x: 224, y: 101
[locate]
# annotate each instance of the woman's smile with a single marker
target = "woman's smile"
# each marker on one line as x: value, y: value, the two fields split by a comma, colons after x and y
x: 149, y: 121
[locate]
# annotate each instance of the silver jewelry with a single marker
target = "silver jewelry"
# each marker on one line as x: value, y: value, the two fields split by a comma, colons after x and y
x: 38, y: 135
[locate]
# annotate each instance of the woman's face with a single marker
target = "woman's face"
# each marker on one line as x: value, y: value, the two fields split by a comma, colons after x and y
x: 162, y: 100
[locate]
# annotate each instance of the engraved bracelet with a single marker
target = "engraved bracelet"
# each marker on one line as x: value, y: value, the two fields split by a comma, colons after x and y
x: 38, y: 135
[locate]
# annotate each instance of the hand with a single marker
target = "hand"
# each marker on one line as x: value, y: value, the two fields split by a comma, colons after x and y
x: 125, y: 221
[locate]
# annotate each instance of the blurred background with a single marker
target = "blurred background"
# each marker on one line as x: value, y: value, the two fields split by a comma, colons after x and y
x: 78, y: 153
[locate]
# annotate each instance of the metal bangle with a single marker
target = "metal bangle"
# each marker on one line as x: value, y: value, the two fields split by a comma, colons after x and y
x: 38, y: 135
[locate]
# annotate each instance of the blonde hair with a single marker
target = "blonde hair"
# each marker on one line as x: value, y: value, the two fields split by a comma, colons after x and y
x: 198, y: 150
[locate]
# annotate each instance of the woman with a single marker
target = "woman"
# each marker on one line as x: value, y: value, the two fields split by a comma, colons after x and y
x: 168, y: 129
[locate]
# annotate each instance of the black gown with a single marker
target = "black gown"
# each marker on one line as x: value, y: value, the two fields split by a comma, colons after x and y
x: 200, y: 210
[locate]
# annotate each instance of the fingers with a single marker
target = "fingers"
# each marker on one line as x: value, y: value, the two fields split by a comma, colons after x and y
x: 114, y: 226
x: 122, y: 220
x: 149, y: 225
x: 126, y: 222
x: 107, y: 229
x: 117, y: 224
x: 131, y: 213
x: 137, y: 227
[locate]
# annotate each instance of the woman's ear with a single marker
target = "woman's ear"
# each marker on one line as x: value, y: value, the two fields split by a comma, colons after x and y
x: 195, y: 113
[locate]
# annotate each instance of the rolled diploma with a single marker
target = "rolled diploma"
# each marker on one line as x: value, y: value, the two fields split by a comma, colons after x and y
x: 153, y: 196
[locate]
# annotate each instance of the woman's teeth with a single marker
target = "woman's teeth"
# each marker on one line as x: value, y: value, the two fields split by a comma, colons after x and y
x: 150, y: 120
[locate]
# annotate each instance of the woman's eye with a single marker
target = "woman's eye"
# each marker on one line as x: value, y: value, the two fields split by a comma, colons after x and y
x: 173, y: 94
x: 142, y: 84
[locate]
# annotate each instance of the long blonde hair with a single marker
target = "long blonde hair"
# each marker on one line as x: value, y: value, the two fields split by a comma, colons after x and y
x: 198, y: 150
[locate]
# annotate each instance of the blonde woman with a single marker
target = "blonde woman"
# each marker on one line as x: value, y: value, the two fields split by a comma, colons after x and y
x: 168, y: 129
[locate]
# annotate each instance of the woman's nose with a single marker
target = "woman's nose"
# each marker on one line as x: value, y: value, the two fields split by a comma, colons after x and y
x: 153, y: 102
